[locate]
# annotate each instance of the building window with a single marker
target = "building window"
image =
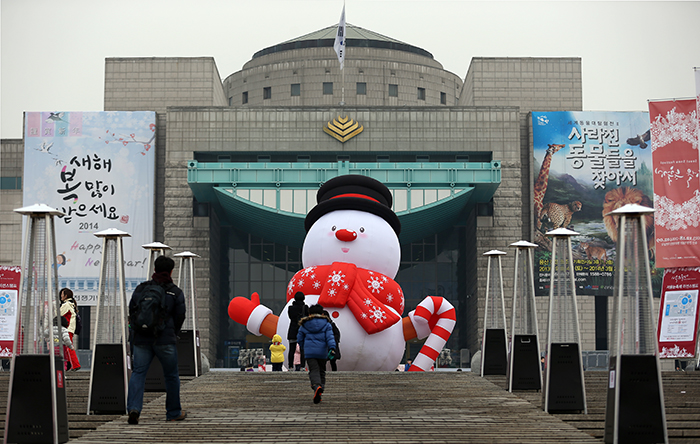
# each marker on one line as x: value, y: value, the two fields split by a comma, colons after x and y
x: 361, y: 89
x: 230, y: 101
x: 443, y: 98
x: 296, y: 89
x: 10, y: 183
x: 421, y: 93
x: 393, y: 90
x: 244, y: 97
x: 328, y: 88
x: 267, y: 92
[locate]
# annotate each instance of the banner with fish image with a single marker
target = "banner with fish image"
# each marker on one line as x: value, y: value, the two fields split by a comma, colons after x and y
x: 587, y: 164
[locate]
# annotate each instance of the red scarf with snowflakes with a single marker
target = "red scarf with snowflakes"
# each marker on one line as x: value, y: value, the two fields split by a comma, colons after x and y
x: 367, y: 293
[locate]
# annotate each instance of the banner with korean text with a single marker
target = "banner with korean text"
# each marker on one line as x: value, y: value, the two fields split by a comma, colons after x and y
x: 99, y: 169
x: 587, y: 164
x: 9, y: 293
x: 674, y: 145
x: 678, y: 313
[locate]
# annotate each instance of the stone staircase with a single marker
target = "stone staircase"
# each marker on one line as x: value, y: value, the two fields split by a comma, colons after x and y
x: 389, y: 407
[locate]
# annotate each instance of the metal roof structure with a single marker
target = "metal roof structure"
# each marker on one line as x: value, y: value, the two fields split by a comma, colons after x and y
x: 355, y: 37
x: 238, y: 192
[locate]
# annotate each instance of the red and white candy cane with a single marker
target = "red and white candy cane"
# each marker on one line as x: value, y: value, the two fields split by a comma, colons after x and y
x: 434, y: 318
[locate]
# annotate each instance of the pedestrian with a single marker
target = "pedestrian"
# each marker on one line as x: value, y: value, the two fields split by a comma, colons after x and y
x: 408, y: 365
x: 317, y: 344
x: 61, y: 337
x: 277, y: 353
x: 159, y: 340
x: 69, y: 310
x: 296, y: 311
x: 336, y: 336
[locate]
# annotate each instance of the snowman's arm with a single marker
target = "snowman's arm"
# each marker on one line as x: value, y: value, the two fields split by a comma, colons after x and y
x: 257, y: 318
x: 409, y: 332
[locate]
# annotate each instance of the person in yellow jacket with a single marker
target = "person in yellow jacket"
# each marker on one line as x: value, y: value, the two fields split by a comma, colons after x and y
x: 277, y: 353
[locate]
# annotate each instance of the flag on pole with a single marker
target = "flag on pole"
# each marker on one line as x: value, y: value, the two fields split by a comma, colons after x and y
x: 339, y: 44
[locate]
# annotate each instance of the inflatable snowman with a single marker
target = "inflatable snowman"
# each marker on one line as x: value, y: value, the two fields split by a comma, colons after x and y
x: 351, y: 254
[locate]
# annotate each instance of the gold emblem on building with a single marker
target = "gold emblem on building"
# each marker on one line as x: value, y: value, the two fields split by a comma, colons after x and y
x: 343, y: 129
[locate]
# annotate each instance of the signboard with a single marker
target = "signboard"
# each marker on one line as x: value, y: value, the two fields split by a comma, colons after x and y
x: 99, y: 169
x: 587, y: 164
x: 678, y: 313
x: 9, y: 293
x: 674, y: 144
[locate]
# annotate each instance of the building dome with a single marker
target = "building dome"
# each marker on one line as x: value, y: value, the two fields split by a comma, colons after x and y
x: 379, y: 71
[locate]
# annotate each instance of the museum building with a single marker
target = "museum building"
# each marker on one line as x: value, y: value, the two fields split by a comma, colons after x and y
x: 239, y: 161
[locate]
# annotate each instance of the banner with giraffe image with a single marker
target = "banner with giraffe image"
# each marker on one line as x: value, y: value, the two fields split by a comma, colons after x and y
x: 587, y: 164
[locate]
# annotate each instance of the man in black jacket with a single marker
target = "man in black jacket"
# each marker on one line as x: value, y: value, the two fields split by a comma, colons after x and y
x: 163, y: 346
x: 296, y: 311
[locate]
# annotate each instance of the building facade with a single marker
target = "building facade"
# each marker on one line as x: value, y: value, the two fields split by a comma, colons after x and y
x: 270, y: 117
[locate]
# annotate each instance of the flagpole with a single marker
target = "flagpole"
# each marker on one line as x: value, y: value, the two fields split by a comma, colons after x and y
x: 339, y: 46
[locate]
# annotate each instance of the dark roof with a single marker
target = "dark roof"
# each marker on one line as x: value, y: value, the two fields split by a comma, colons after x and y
x: 356, y: 37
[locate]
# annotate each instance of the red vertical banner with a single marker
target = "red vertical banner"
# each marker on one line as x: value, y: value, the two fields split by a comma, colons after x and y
x: 678, y: 313
x: 9, y: 307
x: 674, y: 145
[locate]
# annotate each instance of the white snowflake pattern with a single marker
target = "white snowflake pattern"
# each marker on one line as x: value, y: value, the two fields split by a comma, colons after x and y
x: 389, y: 297
x: 385, y: 279
x: 290, y: 287
x: 301, y: 282
x: 316, y: 285
x: 308, y: 271
x: 331, y: 292
x: 364, y: 316
x: 346, y: 287
x: 368, y: 301
x: 375, y: 285
x: 377, y: 314
x: 337, y: 278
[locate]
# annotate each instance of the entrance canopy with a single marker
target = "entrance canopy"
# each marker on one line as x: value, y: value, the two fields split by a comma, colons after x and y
x: 271, y: 199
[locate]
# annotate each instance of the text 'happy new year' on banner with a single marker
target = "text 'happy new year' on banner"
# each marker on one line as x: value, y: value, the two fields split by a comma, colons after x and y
x: 587, y: 164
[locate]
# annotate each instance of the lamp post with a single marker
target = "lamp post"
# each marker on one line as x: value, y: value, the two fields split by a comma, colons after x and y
x: 36, y: 400
x: 188, y: 343
x: 524, y: 369
x: 635, y: 404
x: 565, y: 390
x: 494, y: 349
x: 109, y: 374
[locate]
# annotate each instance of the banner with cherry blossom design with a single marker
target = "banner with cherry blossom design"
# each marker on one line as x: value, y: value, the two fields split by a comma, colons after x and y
x: 674, y: 146
x: 98, y: 168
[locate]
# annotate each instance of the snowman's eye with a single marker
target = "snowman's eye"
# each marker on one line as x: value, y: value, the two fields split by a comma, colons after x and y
x: 333, y: 228
x: 362, y: 229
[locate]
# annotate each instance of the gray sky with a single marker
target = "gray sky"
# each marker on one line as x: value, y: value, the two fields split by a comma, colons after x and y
x: 52, y: 52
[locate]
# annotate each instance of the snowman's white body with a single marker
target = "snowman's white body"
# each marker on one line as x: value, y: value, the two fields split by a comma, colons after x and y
x: 375, y: 248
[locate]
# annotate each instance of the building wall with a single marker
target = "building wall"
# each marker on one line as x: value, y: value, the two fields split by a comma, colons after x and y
x: 11, y: 166
x: 312, y: 67
x: 193, y: 116
x: 153, y: 84
x: 419, y: 130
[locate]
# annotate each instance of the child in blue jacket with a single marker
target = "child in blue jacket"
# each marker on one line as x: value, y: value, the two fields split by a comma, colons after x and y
x: 315, y: 338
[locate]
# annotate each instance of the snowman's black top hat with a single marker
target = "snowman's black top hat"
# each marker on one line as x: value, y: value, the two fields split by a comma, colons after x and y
x: 354, y: 192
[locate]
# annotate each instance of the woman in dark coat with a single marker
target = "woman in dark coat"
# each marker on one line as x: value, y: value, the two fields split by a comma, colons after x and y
x: 296, y: 311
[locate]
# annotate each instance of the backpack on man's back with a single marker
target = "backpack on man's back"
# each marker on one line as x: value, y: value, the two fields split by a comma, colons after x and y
x: 150, y: 312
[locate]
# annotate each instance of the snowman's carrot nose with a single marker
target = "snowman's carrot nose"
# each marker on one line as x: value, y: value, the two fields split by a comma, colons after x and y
x: 345, y: 235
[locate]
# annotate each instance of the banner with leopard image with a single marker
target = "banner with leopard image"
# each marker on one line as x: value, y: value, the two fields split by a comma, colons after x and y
x: 587, y: 164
